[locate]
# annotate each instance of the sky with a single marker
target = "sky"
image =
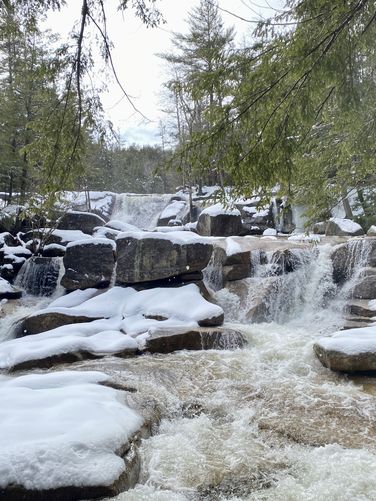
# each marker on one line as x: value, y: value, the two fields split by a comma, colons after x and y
x: 140, y: 71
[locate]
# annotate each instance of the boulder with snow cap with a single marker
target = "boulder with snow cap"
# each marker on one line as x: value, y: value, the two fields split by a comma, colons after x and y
x: 372, y: 231
x: 84, y: 221
x: 89, y: 263
x: 7, y: 291
x: 343, y: 227
x: 352, y: 350
x: 219, y: 221
x: 146, y: 257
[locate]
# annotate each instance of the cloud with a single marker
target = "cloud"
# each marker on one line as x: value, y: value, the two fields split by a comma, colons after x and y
x: 141, y: 135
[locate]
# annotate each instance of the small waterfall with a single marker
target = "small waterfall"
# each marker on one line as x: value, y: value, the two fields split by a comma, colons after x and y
x: 39, y: 276
x: 213, y: 273
x: 140, y: 210
x: 357, y: 257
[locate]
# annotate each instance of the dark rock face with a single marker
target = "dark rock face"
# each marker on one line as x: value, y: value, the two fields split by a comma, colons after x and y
x: 366, y: 286
x: 167, y: 341
x: 88, y: 264
x: 149, y: 259
x: 45, y: 321
x: 221, y: 225
x: 53, y: 250
x: 237, y: 266
x: 8, y: 239
x: 84, y: 221
x: 285, y: 261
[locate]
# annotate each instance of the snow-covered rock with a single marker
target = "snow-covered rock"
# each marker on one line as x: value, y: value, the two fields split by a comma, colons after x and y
x: 372, y: 231
x: 76, y: 220
x: 65, y: 435
x: 365, y: 288
x: 7, y: 291
x: 89, y: 263
x: 176, y: 209
x: 151, y: 256
x: 219, y: 221
x: 128, y: 318
x: 270, y: 232
x: 343, y: 227
x: 352, y: 350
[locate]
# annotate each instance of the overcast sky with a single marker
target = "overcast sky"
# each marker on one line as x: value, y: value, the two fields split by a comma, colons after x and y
x: 139, y: 69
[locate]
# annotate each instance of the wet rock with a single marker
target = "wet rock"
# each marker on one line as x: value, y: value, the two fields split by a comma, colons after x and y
x: 88, y: 264
x: 343, y: 227
x: 169, y: 340
x: 319, y: 228
x: 366, y: 286
x: 360, y: 307
x: 237, y: 266
x: 350, y: 254
x: 149, y: 259
x: 84, y: 221
x: 352, y: 350
x: 45, y: 321
x: 39, y: 275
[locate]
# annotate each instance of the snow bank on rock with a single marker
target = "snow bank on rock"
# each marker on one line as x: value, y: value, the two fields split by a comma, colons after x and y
x: 129, y: 317
x: 219, y: 209
x: 5, y: 286
x: 176, y: 237
x: 304, y: 237
x: 270, y: 232
x: 346, y: 225
x: 173, y: 209
x: 351, y: 341
x: 62, y: 429
x: 121, y: 226
x: 232, y: 247
x: 68, y: 235
x: 93, y: 241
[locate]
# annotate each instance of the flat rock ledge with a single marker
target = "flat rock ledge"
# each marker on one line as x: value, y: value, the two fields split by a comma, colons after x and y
x: 45, y: 321
x: 352, y: 350
x: 168, y: 341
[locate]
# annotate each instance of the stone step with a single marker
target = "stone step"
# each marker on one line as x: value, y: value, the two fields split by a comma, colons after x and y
x: 352, y: 324
x: 360, y: 307
x: 358, y: 318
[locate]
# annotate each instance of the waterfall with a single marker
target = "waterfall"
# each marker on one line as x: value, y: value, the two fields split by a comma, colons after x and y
x: 140, y: 210
x: 39, y: 276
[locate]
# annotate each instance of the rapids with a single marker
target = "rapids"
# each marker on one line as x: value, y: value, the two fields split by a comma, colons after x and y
x: 140, y: 210
x: 264, y: 423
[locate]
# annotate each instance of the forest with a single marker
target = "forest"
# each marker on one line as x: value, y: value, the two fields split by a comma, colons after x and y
x: 292, y: 106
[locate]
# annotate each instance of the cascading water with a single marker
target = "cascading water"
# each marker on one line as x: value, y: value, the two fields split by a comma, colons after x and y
x: 140, y: 210
x: 39, y: 276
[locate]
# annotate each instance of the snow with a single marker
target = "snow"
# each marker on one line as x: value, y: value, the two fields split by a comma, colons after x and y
x: 68, y: 235
x: 351, y: 341
x: 304, y: 237
x: 371, y: 231
x: 5, y: 286
x: 346, y: 225
x: 250, y: 210
x: 372, y: 304
x: 74, y: 298
x: 93, y: 241
x: 16, y: 251
x: 232, y: 247
x: 176, y: 237
x: 168, y: 229
x: 125, y: 326
x: 54, y: 246
x: 219, y: 209
x: 270, y: 232
x: 62, y: 429
x: 173, y: 209
x: 121, y: 226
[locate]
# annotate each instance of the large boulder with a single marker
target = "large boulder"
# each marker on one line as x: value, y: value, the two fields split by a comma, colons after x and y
x: 348, y: 256
x: 219, y: 221
x: 48, y: 320
x: 353, y: 350
x: 365, y: 287
x: 84, y: 221
x: 237, y: 266
x: 372, y: 231
x: 175, y: 210
x: 343, y: 227
x: 147, y: 257
x: 88, y: 263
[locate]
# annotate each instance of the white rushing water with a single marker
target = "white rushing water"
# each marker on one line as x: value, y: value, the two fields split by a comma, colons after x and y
x: 267, y: 422
x: 263, y: 423
x: 140, y: 210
